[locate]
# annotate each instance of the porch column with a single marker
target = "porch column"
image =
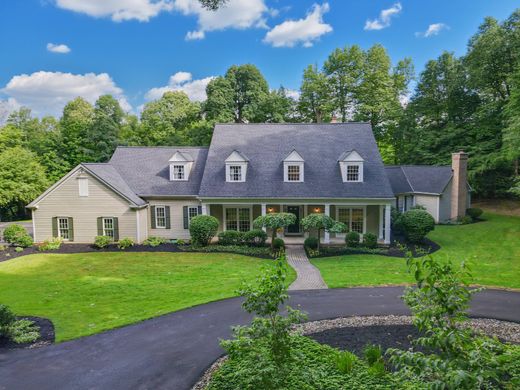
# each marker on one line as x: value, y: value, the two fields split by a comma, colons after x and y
x: 381, y: 221
x: 205, y: 209
x: 387, y: 223
x: 326, y: 238
x: 264, y: 211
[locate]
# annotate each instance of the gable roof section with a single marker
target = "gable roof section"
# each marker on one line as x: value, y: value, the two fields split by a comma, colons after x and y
x: 294, y: 156
x: 267, y: 145
x: 236, y: 156
x: 350, y: 155
x: 180, y: 157
x: 146, y: 170
x: 419, y: 178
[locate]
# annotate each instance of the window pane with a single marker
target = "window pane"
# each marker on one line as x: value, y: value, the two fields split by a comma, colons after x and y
x: 231, y: 219
x: 178, y: 172
x: 63, y: 226
x: 293, y: 173
x: 244, y: 220
x: 344, y: 216
x: 235, y: 173
x: 352, y: 173
x: 160, y: 216
x: 108, y: 227
x: 357, y: 220
x: 193, y: 212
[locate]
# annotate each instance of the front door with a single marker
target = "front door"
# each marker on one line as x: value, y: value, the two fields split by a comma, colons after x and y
x: 295, y: 227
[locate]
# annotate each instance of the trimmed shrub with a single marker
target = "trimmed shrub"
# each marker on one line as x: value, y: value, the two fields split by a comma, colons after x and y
x: 18, y: 249
x: 418, y: 207
x: 370, y: 240
x: 465, y: 220
x: 255, y: 237
x: 154, y: 241
x: 278, y: 244
x: 102, y: 241
x: 17, y: 236
x: 417, y: 224
x: 352, y: 239
x: 395, y: 218
x: 474, y: 213
x: 231, y: 237
x: 311, y: 242
x: 202, y: 229
x: 23, y: 331
x: 7, y: 317
x: 51, y: 244
x: 125, y: 243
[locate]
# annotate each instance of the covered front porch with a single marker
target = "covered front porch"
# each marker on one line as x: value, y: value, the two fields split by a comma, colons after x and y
x: 362, y: 216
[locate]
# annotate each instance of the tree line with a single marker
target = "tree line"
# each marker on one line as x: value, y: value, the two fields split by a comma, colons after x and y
x: 471, y: 102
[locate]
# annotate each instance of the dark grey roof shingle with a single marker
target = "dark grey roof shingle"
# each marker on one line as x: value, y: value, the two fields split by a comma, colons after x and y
x: 266, y: 146
x: 419, y: 178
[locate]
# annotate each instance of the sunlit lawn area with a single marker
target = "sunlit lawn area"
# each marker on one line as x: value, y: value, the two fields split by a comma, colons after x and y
x: 86, y: 293
x: 491, y: 248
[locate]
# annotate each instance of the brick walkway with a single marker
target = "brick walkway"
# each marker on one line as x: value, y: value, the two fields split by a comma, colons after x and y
x: 308, y: 276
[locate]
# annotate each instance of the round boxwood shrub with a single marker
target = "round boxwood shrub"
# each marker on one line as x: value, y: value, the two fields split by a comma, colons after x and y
x: 370, y: 240
x: 255, y: 237
x: 417, y: 224
x: 352, y: 239
x: 311, y: 242
x: 231, y: 237
x: 278, y: 244
x: 474, y: 213
x: 202, y: 229
x: 17, y: 236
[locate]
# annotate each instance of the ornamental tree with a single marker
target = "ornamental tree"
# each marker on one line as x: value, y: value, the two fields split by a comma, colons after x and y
x: 274, y: 221
x: 322, y: 222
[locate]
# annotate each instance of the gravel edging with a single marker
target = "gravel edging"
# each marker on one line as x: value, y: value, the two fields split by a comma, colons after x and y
x: 505, y: 330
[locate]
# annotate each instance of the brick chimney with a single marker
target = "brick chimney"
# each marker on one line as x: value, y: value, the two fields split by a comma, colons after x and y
x: 459, y: 188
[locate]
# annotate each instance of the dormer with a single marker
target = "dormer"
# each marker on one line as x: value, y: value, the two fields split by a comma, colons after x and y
x: 293, y: 166
x: 180, y: 166
x: 351, y: 166
x: 236, y: 167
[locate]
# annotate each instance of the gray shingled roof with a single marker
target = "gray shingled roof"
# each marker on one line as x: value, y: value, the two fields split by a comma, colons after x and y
x: 320, y: 145
x: 146, y: 170
x: 419, y: 178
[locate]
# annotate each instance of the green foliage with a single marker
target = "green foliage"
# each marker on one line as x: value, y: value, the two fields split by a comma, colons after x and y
x: 102, y: 241
x: 370, y: 240
x: 465, y: 220
x: 345, y: 361
x: 231, y: 237
x: 311, y: 242
x: 278, y: 244
x: 255, y: 237
x: 474, y: 213
x: 416, y: 224
x: 321, y: 222
x: 262, y: 252
x: 202, y: 229
x: 274, y: 221
x: 125, y: 243
x: 373, y: 354
x: 51, y: 244
x: 23, y: 331
x: 315, y: 96
x: 18, y: 249
x: 155, y: 241
x: 7, y: 317
x: 17, y: 235
x: 352, y: 239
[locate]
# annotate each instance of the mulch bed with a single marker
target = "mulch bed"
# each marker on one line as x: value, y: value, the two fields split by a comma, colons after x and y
x: 47, y: 335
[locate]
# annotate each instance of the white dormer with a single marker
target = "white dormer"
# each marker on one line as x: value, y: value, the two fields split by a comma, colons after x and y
x: 236, y: 167
x: 180, y: 166
x: 351, y: 166
x: 293, y: 166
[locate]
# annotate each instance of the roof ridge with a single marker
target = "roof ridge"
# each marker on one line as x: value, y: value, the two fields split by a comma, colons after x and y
x: 161, y: 146
x: 418, y: 166
x: 291, y: 124
x: 407, y: 179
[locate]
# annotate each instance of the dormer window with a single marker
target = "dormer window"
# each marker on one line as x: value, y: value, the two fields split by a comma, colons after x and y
x: 180, y: 166
x: 351, y: 166
x: 236, y: 167
x: 293, y: 166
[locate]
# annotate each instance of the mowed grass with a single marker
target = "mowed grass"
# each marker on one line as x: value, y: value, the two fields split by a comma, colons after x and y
x: 87, y: 293
x: 491, y: 248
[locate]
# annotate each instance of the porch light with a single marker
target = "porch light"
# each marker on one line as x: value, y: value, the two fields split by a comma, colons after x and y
x: 317, y: 209
x: 270, y: 209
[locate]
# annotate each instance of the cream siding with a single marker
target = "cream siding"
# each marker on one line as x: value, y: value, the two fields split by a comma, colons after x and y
x: 176, y: 230
x: 372, y: 222
x: 64, y: 201
x: 431, y: 203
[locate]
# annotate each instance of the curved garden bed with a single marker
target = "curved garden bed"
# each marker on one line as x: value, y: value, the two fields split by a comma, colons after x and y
x: 45, y: 328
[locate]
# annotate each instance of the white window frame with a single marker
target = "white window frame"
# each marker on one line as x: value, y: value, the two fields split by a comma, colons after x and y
x: 187, y: 168
x: 179, y: 175
x: 157, y: 207
x: 288, y: 164
x: 83, y: 186
x: 243, y: 172
x: 344, y: 171
x: 190, y: 209
x: 58, y: 222
x: 105, y: 229
x: 350, y: 208
x: 237, y: 207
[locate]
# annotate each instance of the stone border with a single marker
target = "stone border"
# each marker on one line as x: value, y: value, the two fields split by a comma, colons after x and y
x: 508, y: 331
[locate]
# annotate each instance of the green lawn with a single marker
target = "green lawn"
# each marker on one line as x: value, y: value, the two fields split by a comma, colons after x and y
x: 90, y: 292
x: 491, y: 248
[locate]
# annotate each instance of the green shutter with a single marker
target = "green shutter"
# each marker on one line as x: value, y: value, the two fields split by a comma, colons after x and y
x: 199, y: 210
x: 100, y: 226
x: 167, y: 214
x: 185, y: 217
x: 152, y: 215
x: 116, y: 229
x: 71, y: 229
x: 55, y: 226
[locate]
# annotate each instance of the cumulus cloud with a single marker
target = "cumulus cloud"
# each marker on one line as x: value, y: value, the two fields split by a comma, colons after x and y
x: 118, y: 10
x: 58, y: 48
x: 433, y: 29
x: 6, y: 107
x: 46, y: 93
x: 305, y: 31
x: 182, y: 81
x: 384, y: 19
x: 237, y: 14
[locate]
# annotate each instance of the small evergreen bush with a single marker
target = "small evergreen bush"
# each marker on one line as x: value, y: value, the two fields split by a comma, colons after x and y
x: 17, y: 236
x: 102, y: 241
x: 125, y: 243
x: 202, y: 229
x: 7, y: 317
x: 417, y: 224
x: 231, y: 237
x: 311, y: 242
x: 352, y: 239
x: 278, y: 244
x: 23, y: 331
x: 370, y: 240
x: 255, y: 237
x: 474, y: 213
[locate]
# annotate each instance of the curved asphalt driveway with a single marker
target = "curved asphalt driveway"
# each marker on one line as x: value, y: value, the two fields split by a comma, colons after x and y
x: 172, y: 351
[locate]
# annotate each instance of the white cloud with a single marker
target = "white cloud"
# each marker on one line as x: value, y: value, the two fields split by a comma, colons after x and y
x: 384, y: 19
x: 58, y: 48
x: 182, y: 81
x: 46, y: 93
x: 292, y: 93
x: 433, y: 29
x: 238, y: 14
x: 305, y: 31
x: 118, y: 10
x: 6, y: 107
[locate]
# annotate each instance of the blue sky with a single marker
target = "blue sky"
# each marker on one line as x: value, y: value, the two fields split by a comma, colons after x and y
x: 54, y: 50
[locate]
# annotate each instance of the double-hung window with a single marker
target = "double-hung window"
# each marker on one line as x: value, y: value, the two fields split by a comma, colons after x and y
x: 293, y: 173
x: 108, y: 227
x: 354, y: 218
x: 64, y: 228
x: 352, y: 172
x: 193, y: 211
x: 238, y: 218
x: 178, y: 172
x: 160, y: 217
x: 235, y: 173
